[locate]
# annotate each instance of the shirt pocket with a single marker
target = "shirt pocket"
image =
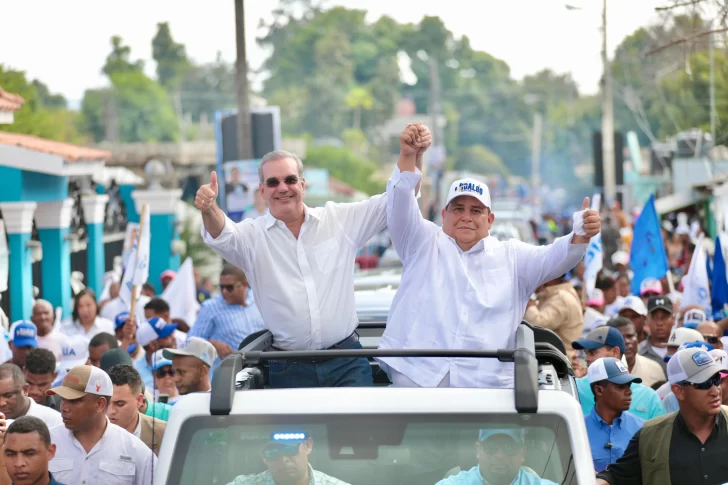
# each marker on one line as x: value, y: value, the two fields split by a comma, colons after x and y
x: 112, y: 472
x: 61, y: 469
x: 328, y: 255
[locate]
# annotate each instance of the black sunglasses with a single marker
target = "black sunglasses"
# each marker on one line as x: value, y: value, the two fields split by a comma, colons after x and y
x: 274, y: 182
x: 162, y: 373
x: 704, y: 386
x: 275, y: 452
x: 508, y: 449
x: 229, y: 288
x: 711, y: 339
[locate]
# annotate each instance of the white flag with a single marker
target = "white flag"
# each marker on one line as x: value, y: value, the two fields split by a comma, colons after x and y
x: 594, y: 258
x: 137, y: 270
x: 181, y: 294
x: 696, y: 288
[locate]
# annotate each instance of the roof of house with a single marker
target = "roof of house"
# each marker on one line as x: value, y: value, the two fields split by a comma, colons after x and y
x: 69, y: 152
x: 10, y: 101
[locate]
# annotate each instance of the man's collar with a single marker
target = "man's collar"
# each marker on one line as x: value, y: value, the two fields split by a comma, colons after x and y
x: 271, y: 221
x: 479, y: 246
x: 617, y: 420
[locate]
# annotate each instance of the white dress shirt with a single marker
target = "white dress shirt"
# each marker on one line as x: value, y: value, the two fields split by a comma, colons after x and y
x: 304, y: 287
x: 119, y: 458
x: 49, y: 416
x: 450, y: 299
x: 73, y: 327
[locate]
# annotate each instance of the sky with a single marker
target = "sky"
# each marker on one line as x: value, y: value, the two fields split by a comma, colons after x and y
x: 64, y: 44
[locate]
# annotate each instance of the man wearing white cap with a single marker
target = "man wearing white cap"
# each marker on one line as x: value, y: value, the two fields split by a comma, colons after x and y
x: 89, y: 448
x: 635, y: 310
x: 192, y: 365
x: 684, y: 447
x: 461, y: 288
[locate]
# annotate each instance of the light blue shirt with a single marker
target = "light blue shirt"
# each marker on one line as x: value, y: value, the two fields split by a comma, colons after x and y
x: 227, y: 323
x: 145, y: 371
x: 646, y: 403
x: 473, y: 477
x: 618, y: 434
x: 670, y: 403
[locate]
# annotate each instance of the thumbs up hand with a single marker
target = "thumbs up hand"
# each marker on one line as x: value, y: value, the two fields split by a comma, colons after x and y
x: 587, y: 224
x: 206, y: 194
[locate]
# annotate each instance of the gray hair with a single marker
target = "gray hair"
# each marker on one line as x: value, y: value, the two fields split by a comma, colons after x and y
x: 279, y: 155
x: 44, y: 303
x: 10, y: 370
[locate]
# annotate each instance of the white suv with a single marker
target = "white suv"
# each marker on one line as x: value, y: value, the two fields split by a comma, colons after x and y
x: 380, y: 435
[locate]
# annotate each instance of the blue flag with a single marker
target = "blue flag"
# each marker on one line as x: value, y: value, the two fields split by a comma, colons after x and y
x: 719, y: 291
x: 647, y: 255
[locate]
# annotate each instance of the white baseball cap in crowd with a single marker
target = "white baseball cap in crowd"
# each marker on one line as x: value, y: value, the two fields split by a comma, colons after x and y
x: 620, y: 257
x: 694, y: 317
x: 635, y: 304
x: 83, y: 380
x: 721, y: 358
x: 692, y: 365
x: 470, y: 187
x: 651, y: 286
x: 195, y: 347
x: 680, y: 335
x: 74, y: 352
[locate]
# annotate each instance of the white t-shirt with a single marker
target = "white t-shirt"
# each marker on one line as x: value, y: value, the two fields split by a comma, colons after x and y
x: 50, y: 417
x: 54, y: 342
x: 100, y: 325
x: 661, y: 351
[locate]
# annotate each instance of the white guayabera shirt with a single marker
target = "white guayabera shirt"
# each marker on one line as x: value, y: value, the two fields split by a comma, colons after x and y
x: 451, y: 299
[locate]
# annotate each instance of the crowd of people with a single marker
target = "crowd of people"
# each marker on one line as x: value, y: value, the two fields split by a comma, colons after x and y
x: 92, y: 393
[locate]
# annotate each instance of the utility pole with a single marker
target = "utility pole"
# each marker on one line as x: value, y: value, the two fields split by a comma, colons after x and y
x: 712, y: 85
x: 609, y: 169
x: 536, y: 151
x: 245, y: 132
x: 438, y: 149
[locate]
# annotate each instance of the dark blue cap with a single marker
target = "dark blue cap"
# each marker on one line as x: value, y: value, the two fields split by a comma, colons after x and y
x: 600, y: 337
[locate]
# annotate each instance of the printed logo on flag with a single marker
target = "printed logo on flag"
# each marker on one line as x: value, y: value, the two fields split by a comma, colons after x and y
x: 621, y: 367
x: 702, y: 358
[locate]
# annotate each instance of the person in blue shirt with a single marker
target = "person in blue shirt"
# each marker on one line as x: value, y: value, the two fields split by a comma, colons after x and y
x: 606, y: 341
x: 501, y: 453
x: 610, y: 425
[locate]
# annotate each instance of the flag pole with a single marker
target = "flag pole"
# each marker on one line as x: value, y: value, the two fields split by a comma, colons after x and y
x: 134, y: 288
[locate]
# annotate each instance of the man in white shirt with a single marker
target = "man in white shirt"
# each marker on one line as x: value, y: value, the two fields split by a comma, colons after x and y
x: 461, y: 288
x: 14, y: 400
x: 48, y: 337
x: 90, y: 449
x: 300, y: 264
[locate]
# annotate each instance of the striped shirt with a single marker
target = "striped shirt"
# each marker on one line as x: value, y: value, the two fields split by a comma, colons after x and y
x: 227, y: 323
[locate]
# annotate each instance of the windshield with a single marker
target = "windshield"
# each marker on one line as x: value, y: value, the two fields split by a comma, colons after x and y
x: 372, y: 449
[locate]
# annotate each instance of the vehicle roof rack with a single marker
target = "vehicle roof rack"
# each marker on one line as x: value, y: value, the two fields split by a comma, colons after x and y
x: 224, y: 382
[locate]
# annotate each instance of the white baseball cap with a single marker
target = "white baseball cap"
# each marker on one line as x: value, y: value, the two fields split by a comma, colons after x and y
x: 680, y: 335
x: 620, y: 257
x: 471, y: 187
x: 195, y: 347
x: 692, y: 365
x: 635, y: 304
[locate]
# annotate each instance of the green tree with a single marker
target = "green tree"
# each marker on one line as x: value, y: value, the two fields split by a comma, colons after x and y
x: 359, y: 99
x: 207, y: 88
x: 35, y: 117
x: 118, y: 59
x: 134, y: 109
x: 479, y: 159
x: 49, y: 99
x: 346, y: 166
x: 170, y: 56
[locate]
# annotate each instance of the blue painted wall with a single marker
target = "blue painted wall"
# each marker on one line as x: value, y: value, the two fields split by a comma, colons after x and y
x: 21, y: 277
x: 163, y: 233
x: 56, y: 268
x: 125, y: 193
x: 21, y: 185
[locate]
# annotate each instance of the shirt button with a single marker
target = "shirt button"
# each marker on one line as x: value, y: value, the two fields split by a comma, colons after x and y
x: 702, y: 449
x: 706, y: 477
